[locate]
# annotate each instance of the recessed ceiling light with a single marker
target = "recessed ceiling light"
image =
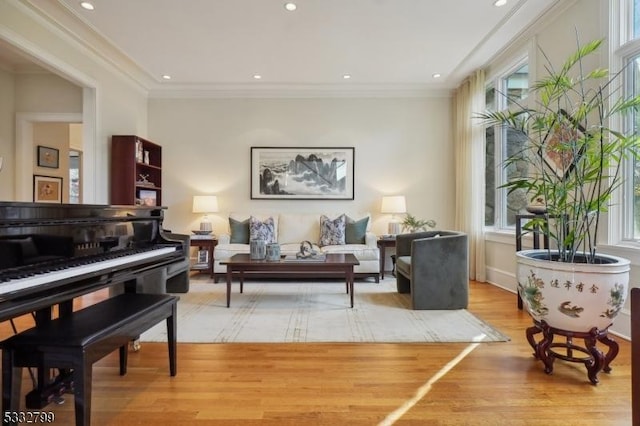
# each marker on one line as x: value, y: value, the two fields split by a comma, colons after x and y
x: 290, y: 6
x: 86, y: 5
x: 166, y: 77
x: 499, y: 3
x: 436, y: 75
x: 346, y: 76
x: 257, y: 76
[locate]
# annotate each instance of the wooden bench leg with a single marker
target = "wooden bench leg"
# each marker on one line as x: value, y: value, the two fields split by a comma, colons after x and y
x: 171, y: 339
x: 124, y: 356
x: 11, y: 383
x: 82, y: 393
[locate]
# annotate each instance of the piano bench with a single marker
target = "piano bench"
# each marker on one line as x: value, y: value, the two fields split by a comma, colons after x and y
x: 82, y: 338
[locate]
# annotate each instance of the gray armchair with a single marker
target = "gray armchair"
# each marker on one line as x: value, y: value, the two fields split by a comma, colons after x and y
x: 434, y: 267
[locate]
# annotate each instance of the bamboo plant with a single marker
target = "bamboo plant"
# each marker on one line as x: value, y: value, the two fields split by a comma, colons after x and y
x: 574, y: 159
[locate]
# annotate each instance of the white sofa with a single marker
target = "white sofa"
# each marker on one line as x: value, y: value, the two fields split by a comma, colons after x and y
x: 293, y: 228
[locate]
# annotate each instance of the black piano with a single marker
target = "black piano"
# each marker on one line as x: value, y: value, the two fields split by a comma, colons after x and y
x: 53, y: 253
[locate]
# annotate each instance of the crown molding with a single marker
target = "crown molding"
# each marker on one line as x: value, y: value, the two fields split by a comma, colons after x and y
x: 63, y: 22
x: 223, y: 91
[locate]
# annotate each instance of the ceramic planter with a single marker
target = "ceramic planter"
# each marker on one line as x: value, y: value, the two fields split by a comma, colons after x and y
x: 572, y: 296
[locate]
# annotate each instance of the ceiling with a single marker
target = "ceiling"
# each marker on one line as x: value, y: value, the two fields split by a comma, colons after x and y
x: 394, y: 45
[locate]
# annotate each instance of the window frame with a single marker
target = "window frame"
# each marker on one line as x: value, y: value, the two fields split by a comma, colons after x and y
x: 499, y: 81
x: 624, y: 48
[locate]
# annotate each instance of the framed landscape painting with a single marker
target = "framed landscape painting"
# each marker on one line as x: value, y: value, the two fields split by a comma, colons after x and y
x: 302, y: 173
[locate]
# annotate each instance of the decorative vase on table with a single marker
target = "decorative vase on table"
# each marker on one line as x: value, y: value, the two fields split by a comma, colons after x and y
x: 272, y: 252
x: 257, y: 249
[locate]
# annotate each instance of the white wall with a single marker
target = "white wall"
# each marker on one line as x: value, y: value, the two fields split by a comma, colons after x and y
x: 46, y: 92
x: 119, y: 103
x: 402, y: 146
x: 7, y: 134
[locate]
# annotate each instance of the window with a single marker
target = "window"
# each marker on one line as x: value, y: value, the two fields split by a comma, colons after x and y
x: 627, y: 57
x: 516, y: 85
x: 500, y: 143
x: 635, y: 30
x: 632, y: 190
x: 75, y: 162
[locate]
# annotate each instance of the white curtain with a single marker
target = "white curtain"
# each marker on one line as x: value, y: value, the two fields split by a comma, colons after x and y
x: 470, y: 164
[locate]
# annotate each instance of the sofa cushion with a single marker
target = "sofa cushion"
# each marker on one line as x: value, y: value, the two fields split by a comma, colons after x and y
x: 361, y: 251
x: 403, y: 265
x: 225, y: 251
x: 355, y: 230
x: 332, y: 231
x: 297, y: 227
x: 262, y: 230
x: 239, y: 231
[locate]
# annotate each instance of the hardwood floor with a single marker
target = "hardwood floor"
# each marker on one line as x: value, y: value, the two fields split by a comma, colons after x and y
x: 357, y: 384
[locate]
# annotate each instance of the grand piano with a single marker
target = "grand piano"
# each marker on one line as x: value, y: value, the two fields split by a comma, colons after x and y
x: 53, y: 253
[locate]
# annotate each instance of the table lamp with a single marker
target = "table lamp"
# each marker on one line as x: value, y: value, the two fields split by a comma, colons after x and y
x: 394, y: 204
x: 205, y: 204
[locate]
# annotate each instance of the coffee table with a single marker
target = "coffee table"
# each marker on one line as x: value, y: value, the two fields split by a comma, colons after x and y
x: 334, y: 263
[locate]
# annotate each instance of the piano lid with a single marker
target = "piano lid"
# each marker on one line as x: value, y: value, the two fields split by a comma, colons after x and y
x: 44, y: 214
x: 32, y: 233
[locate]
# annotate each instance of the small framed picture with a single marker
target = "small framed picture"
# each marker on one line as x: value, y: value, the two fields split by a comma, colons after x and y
x: 48, y: 157
x: 148, y: 197
x: 203, y: 256
x: 47, y: 189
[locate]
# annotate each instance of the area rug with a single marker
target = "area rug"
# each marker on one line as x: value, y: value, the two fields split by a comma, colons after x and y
x: 283, y: 312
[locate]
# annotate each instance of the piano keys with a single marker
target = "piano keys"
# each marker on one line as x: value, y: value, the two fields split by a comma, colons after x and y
x: 38, y: 279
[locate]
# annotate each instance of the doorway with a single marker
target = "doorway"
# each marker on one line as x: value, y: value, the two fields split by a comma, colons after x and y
x: 75, y: 177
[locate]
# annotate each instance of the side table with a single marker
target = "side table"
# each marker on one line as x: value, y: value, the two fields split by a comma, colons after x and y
x: 206, y: 244
x: 383, y: 243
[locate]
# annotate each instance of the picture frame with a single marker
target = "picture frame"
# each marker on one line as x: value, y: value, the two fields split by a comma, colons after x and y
x: 148, y: 197
x: 47, y: 189
x: 302, y: 173
x: 559, y: 160
x: 203, y: 256
x: 48, y: 157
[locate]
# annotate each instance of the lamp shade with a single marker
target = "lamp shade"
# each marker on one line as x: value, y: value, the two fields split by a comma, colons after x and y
x: 205, y: 204
x: 393, y: 204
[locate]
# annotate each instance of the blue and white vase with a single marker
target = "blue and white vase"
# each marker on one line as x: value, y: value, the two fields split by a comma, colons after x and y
x: 257, y: 249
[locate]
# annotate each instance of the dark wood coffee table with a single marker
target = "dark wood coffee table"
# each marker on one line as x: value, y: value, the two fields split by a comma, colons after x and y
x: 333, y: 263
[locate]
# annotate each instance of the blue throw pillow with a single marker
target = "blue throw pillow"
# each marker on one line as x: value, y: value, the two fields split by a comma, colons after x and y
x: 356, y: 230
x: 239, y: 231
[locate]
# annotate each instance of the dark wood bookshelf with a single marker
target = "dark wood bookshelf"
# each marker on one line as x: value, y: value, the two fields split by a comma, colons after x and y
x: 128, y: 166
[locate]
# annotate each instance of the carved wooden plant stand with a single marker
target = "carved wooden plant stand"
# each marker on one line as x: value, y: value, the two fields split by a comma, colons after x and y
x: 594, y: 359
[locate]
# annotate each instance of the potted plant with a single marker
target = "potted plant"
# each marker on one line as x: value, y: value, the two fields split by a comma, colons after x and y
x: 574, y: 163
x: 413, y: 224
